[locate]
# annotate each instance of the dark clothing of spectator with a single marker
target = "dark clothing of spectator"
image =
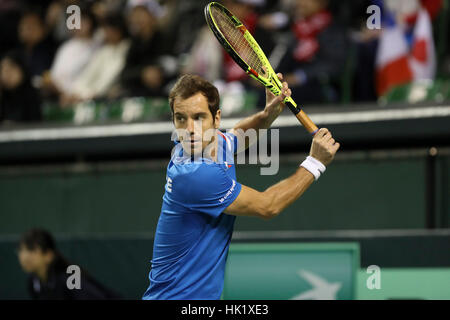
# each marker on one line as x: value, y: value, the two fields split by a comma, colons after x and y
x: 142, y: 53
x: 364, y: 77
x: 40, y: 57
x: 22, y: 103
x: 56, y: 286
x: 316, y: 57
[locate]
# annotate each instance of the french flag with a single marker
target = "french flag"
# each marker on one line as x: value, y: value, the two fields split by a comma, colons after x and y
x: 392, y: 59
x: 399, y: 62
x: 423, y: 57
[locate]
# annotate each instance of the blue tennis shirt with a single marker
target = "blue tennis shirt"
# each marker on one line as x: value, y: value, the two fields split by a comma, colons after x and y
x: 193, y: 234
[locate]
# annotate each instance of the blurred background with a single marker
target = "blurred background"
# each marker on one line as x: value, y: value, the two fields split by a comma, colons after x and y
x: 85, y: 131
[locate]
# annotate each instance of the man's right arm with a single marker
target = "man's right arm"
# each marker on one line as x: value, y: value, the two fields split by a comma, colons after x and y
x: 271, y: 202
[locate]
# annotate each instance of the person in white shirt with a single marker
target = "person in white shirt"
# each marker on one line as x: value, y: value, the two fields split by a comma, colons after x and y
x: 74, y: 54
x: 104, y: 67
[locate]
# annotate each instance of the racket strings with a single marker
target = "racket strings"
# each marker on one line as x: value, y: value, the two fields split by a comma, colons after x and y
x: 237, y: 40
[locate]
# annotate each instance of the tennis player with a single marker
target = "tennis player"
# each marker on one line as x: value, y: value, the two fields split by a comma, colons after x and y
x: 202, y: 197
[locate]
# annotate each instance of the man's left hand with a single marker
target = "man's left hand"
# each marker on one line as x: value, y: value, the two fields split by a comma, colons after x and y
x: 274, y: 104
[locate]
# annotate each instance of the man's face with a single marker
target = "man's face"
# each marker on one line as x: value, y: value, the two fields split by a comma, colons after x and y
x: 31, y: 260
x: 141, y: 21
x: 11, y: 76
x: 307, y: 8
x: 112, y: 35
x: 86, y: 27
x: 192, y: 116
x: 31, y: 30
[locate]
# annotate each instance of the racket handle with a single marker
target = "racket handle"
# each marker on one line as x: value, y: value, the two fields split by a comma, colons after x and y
x: 301, y: 116
x: 307, y: 122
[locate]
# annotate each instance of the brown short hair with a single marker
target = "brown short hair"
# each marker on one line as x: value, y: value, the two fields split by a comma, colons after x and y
x: 188, y: 85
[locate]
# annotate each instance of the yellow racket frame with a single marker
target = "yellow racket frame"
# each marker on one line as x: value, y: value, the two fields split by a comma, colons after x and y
x: 270, y: 80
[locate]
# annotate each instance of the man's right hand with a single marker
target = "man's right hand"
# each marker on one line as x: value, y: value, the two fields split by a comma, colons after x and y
x: 324, y: 147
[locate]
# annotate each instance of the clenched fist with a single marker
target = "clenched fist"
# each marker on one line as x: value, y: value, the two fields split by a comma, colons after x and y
x: 323, y: 146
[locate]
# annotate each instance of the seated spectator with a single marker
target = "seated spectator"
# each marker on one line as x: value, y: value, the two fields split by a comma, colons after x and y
x: 317, y: 54
x: 103, y: 69
x: 39, y: 257
x: 74, y: 54
x: 56, y: 18
x: 144, y: 73
x: 19, y: 101
x: 37, y: 46
x: 101, y: 9
x: 208, y: 66
x: 365, y: 42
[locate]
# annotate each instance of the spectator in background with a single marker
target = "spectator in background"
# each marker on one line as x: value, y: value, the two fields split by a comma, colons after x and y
x: 104, y: 8
x: 19, y: 101
x: 317, y: 54
x: 73, y: 55
x: 208, y: 66
x: 55, y: 19
x: 39, y: 257
x: 103, y: 70
x: 145, y: 72
x: 366, y: 44
x: 38, y: 48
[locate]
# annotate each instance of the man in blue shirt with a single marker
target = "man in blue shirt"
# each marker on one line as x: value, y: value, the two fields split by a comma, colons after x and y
x: 202, y: 197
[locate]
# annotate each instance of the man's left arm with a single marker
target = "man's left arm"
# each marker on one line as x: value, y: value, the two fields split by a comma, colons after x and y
x: 261, y: 120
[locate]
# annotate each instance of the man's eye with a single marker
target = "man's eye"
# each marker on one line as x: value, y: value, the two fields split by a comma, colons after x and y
x: 180, y: 119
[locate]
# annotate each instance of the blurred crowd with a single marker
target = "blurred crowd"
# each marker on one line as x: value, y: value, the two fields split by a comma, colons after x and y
x: 128, y: 48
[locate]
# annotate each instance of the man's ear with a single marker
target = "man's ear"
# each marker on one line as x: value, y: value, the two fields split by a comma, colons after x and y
x: 217, y: 119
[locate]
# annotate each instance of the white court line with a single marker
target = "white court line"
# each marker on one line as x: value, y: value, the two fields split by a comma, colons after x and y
x: 167, y: 126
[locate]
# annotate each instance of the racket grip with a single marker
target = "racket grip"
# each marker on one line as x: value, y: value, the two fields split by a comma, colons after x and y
x: 301, y: 116
x: 307, y: 122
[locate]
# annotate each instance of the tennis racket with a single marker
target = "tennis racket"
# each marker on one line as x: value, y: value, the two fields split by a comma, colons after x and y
x: 245, y: 51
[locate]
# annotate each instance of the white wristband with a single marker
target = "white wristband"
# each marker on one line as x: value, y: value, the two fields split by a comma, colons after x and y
x: 314, y: 166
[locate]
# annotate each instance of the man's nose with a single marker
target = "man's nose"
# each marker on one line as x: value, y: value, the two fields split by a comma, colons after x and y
x: 190, y: 126
x: 194, y: 126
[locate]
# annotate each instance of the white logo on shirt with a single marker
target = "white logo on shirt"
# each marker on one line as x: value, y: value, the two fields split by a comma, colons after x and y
x: 228, y: 193
x: 169, y: 184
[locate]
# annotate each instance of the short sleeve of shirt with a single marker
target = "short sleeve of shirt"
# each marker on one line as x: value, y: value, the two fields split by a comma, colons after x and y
x: 208, y: 189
